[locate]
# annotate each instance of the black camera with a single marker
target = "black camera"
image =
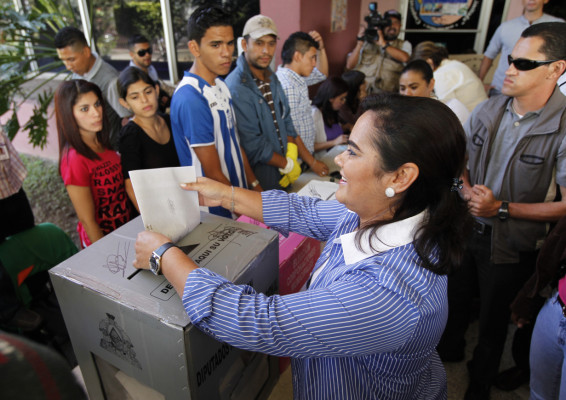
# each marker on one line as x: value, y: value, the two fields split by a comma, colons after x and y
x: 374, y: 22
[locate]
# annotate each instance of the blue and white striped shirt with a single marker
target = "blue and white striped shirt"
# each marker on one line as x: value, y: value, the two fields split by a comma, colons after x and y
x: 366, y: 328
x: 202, y: 115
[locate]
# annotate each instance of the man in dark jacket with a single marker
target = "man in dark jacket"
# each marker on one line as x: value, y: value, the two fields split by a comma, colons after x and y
x: 517, y: 155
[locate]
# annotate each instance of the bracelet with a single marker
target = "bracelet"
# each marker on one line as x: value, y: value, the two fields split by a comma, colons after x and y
x: 232, y: 201
x: 254, y: 183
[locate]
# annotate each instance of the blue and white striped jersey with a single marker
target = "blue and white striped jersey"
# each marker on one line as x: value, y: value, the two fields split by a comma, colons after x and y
x: 202, y: 115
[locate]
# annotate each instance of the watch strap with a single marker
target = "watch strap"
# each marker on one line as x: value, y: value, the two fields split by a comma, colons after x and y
x: 503, y: 212
x: 158, y: 254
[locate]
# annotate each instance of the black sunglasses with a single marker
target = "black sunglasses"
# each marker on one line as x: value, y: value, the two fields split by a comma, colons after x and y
x: 522, y: 64
x: 143, y: 52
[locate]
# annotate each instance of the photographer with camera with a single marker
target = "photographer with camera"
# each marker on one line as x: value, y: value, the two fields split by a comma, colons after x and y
x: 379, y: 54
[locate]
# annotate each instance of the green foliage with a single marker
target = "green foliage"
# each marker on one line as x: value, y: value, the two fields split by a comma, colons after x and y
x: 27, y: 51
x: 143, y: 17
x: 48, y: 196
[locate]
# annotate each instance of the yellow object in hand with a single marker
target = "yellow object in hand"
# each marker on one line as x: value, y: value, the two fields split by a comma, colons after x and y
x: 284, y: 182
x: 292, y: 151
x: 290, y: 177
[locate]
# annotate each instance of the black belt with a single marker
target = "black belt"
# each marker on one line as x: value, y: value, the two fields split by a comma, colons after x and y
x: 482, y: 229
x: 561, y: 304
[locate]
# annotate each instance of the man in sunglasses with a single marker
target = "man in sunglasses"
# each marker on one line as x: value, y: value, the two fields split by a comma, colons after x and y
x: 516, y: 159
x: 140, y: 52
x: 78, y: 58
x: 505, y: 38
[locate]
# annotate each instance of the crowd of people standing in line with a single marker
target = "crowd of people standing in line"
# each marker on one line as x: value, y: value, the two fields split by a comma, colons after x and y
x: 443, y: 191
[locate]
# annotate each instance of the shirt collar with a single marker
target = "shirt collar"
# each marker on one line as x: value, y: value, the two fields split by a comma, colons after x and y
x: 392, y: 235
x: 95, y: 67
x: 290, y: 73
x: 511, y: 110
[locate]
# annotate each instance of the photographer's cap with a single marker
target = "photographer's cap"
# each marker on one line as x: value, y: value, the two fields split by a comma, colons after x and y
x: 258, y: 26
x: 392, y: 14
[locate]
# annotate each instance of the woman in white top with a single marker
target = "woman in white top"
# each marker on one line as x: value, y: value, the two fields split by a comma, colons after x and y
x: 454, y: 79
x: 417, y: 80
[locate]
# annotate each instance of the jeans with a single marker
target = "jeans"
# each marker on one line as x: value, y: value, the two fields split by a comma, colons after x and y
x: 548, y: 351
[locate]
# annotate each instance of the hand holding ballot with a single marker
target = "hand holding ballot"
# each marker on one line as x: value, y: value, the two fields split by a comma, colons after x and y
x: 164, y: 207
x: 238, y: 200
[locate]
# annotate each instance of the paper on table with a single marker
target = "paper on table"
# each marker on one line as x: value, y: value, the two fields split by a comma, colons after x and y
x: 165, y: 207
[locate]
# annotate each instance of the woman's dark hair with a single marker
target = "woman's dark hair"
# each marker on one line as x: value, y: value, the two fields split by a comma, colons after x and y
x: 354, y: 79
x: 128, y: 77
x: 329, y: 89
x: 420, y: 66
x: 427, y: 133
x: 66, y: 97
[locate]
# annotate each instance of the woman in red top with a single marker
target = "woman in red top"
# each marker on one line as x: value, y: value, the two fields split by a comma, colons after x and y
x: 90, y: 169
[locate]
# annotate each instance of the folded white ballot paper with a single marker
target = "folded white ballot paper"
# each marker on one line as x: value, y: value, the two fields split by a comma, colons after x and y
x: 165, y: 207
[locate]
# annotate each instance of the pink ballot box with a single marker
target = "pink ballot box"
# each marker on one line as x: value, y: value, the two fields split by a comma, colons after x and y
x: 297, y: 256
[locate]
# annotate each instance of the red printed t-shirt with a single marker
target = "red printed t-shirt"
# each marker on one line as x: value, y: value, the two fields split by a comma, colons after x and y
x: 106, y: 182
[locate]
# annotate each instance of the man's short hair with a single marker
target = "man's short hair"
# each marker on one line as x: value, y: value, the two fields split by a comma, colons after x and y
x: 206, y: 17
x: 70, y: 36
x: 553, y: 34
x: 136, y: 39
x: 298, y: 41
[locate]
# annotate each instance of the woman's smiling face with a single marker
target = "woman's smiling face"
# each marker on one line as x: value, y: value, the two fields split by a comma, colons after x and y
x: 363, y: 183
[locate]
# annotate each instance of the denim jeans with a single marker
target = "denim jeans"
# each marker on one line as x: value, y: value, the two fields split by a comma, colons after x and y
x: 548, y: 351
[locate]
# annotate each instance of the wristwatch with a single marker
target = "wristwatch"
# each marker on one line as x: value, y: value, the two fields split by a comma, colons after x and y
x: 155, y: 259
x: 383, y: 48
x: 503, y: 212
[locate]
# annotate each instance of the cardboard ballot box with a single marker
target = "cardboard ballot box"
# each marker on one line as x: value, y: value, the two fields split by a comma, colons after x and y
x: 297, y: 257
x: 129, y: 329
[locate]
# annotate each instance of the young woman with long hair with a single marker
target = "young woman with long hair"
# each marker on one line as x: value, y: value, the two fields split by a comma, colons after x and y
x: 357, y: 91
x: 146, y: 140
x: 89, y: 167
x: 329, y: 98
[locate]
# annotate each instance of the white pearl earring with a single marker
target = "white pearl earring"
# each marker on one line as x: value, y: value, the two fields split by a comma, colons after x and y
x: 390, y: 192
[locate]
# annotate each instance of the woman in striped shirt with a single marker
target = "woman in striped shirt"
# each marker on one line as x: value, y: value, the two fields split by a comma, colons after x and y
x: 369, y: 322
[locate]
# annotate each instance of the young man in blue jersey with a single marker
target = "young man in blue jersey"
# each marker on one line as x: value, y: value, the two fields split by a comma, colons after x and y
x: 202, y: 116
